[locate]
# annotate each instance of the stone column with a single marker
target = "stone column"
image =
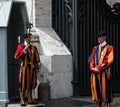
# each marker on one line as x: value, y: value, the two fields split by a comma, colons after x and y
x: 3, y: 66
x: 43, y: 12
x: 31, y: 11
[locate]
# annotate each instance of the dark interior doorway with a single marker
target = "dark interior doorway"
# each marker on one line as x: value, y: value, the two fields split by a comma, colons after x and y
x: 16, y: 27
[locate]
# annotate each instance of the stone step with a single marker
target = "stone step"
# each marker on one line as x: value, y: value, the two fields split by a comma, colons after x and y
x: 18, y: 105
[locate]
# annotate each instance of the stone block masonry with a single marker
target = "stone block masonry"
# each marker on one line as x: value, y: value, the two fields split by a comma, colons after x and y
x: 43, y: 13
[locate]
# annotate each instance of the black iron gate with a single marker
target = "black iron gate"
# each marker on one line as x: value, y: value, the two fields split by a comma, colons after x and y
x: 77, y: 22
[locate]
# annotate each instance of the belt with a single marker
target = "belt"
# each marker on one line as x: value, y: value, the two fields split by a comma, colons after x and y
x: 28, y: 63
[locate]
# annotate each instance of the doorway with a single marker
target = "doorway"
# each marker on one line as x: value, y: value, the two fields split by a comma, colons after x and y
x: 16, y: 27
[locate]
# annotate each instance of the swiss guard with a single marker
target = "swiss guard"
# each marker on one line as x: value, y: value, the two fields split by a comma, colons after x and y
x: 29, y: 59
x: 102, y: 58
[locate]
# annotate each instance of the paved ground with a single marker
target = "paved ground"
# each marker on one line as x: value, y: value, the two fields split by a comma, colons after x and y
x: 78, y: 102
x: 18, y: 105
x: 70, y: 102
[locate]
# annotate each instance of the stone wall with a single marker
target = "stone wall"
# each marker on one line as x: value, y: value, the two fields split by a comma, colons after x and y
x: 43, y: 13
x: 39, y: 12
x: 57, y: 64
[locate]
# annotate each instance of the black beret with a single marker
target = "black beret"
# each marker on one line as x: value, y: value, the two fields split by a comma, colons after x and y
x: 102, y: 33
x: 26, y: 35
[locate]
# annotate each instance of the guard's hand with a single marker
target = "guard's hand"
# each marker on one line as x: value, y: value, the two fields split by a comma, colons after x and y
x: 37, y: 69
x: 95, y: 70
x: 26, y: 47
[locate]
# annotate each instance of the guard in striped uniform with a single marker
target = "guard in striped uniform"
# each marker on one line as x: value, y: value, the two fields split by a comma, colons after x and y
x: 29, y: 66
x: 102, y: 58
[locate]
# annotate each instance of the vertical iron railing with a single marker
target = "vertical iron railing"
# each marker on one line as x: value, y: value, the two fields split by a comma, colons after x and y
x: 62, y: 20
x: 77, y: 22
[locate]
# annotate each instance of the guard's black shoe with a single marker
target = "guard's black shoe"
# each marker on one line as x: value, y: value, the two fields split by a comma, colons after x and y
x: 23, y: 104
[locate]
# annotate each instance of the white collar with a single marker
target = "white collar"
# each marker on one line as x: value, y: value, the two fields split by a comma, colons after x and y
x: 103, y: 43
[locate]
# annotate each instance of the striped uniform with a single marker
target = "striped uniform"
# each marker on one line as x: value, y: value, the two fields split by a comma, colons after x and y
x: 28, y: 66
x: 102, y: 58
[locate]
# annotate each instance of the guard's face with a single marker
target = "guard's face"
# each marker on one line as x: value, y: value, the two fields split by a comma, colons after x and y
x: 27, y: 40
x: 101, y: 39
